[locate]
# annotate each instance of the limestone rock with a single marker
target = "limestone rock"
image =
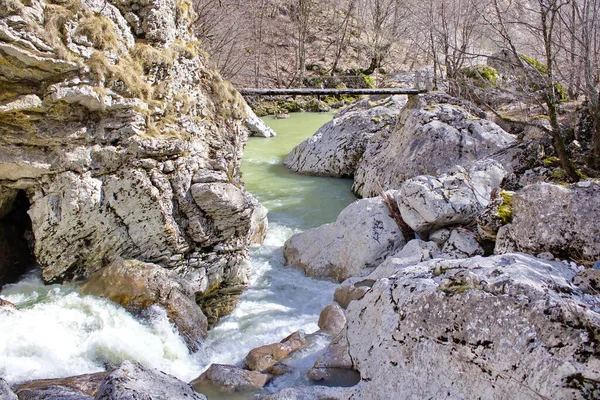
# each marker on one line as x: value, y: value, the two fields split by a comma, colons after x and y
x: 74, y: 387
x: 588, y: 281
x: 556, y: 219
x: 258, y: 223
x: 109, y: 113
x: 427, y: 203
x: 462, y: 244
x: 359, y: 240
x: 503, y: 324
x: 313, y: 393
x: 256, y: 126
x: 412, y: 253
x: 334, y: 367
x: 332, y: 319
x: 261, y: 358
x: 428, y: 140
x: 337, y: 147
x: 230, y: 379
x: 496, y: 214
x: 6, y: 392
x: 133, y: 381
x: 137, y: 286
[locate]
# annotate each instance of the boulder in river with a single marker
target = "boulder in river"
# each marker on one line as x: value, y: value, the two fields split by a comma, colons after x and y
x: 332, y: 319
x: 360, y: 238
x: 476, y: 328
x: 137, y: 286
x: 229, y: 379
x: 263, y: 357
x: 71, y: 388
x: 257, y: 126
x: 556, y: 219
x: 428, y: 140
x: 133, y: 381
x: 337, y: 147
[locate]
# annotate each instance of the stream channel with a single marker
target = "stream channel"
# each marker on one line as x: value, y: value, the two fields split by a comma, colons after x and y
x: 56, y: 332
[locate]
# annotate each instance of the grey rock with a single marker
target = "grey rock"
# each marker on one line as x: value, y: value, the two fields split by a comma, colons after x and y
x: 359, y: 240
x: 555, y: 219
x: 257, y: 126
x: 351, y: 289
x: 230, y: 379
x: 462, y: 243
x: 73, y: 387
x: 132, y: 381
x: 412, y: 253
x: 312, y: 393
x: 428, y: 140
x: 337, y: 147
x: 503, y: 324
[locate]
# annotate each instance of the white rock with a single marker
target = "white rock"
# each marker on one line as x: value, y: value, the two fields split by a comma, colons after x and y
x: 362, y: 236
x: 257, y: 126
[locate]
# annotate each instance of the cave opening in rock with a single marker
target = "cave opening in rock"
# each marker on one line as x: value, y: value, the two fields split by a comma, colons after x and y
x: 16, y: 240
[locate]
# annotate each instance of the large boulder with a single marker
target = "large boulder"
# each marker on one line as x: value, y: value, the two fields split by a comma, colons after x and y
x: 428, y: 140
x: 360, y: 238
x: 257, y: 126
x: 132, y: 381
x: 337, y: 147
x: 106, y: 126
x: 556, y: 219
x: 137, y: 286
x: 428, y: 203
x: 332, y: 319
x: 229, y: 379
x: 476, y: 328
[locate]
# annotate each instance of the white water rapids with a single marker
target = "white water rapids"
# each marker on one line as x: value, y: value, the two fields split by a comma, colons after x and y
x: 56, y: 332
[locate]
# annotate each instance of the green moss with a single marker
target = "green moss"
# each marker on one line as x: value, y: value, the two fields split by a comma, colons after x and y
x: 505, y: 210
x: 484, y: 76
x: 439, y: 270
x: 369, y: 80
x: 551, y: 161
x: 541, y: 68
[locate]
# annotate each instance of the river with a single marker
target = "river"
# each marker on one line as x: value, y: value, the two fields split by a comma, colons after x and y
x: 56, y: 332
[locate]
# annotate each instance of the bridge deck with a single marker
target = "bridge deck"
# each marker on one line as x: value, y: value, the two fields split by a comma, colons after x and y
x: 327, y: 92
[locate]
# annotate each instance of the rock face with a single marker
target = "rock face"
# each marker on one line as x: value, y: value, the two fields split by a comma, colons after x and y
x: 428, y: 140
x: 5, y: 391
x: 110, y: 119
x: 337, y: 147
x: 132, y: 381
x: 361, y: 237
x: 137, y: 286
x: 476, y: 328
x: 555, y: 219
x: 230, y: 379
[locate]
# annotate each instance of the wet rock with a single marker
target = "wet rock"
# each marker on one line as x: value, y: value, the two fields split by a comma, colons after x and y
x: 556, y: 219
x: 279, y: 369
x: 359, y: 240
x: 261, y: 358
x: 6, y: 392
x: 137, y: 286
x: 133, y: 381
x: 332, y: 319
x: 337, y: 147
x: 430, y: 140
x: 230, y: 379
x: 336, y: 355
x: 74, y: 387
x: 258, y: 223
x: 503, y: 324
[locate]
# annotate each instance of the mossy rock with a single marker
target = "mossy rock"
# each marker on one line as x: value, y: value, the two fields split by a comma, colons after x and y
x: 505, y: 210
x: 483, y: 76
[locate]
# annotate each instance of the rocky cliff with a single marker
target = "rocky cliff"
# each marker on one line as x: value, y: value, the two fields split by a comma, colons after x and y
x: 119, y: 142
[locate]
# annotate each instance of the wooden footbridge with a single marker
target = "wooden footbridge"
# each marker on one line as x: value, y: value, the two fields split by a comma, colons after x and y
x: 328, y: 92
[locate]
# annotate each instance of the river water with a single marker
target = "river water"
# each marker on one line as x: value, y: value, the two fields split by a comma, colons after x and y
x: 56, y: 332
